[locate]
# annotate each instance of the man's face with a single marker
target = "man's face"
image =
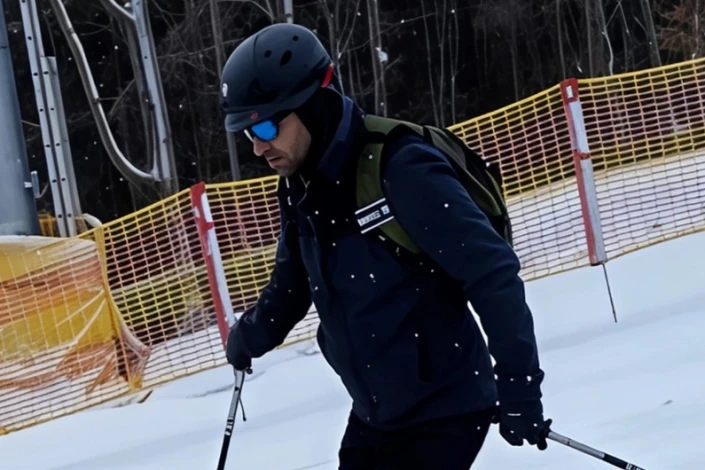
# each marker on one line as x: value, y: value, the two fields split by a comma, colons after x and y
x: 287, y: 152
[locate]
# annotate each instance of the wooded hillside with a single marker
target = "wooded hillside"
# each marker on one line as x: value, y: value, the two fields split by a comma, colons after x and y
x: 431, y: 61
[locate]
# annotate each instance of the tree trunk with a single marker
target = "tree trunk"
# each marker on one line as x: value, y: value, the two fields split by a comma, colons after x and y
x: 429, y: 67
x: 441, y: 24
x: 651, y: 33
x: 514, y: 53
x: 375, y: 51
x: 588, y: 31
x: 696, y: 30
x: 559, y: 31
x: 220, y: 60
x: 455, y: 62
x: 603, y: 31
x: 625, y: 39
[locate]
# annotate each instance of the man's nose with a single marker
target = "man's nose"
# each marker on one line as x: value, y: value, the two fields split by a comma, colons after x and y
x: 260, y: 147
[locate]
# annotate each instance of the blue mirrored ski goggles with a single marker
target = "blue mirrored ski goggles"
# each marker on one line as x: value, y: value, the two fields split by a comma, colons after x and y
x: 265, y: 131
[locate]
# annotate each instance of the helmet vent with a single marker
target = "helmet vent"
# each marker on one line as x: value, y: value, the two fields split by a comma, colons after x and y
x: 267, y: 53
x: 286, y: 57
x: 295, y: 38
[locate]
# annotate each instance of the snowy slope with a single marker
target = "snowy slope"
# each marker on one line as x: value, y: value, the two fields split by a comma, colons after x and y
x: 634, y: 389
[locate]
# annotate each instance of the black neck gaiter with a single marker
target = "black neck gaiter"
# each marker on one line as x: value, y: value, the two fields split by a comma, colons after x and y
x: 321, y: 115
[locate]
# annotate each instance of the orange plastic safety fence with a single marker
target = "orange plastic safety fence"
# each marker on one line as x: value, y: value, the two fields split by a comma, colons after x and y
x: 62, y: 346
x: 85, y: 320
x: 646, y: 133
x: 530, y: 140
x: 48, y: 226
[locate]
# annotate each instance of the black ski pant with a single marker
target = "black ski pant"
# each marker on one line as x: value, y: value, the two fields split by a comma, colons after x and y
x: 450, y: 443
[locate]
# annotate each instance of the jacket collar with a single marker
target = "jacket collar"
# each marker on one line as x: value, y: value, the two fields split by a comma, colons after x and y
x: 345, y: 147
x: 332, y: 162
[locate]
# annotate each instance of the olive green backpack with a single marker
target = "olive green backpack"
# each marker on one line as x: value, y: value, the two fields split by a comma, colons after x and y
x: 481, y: 179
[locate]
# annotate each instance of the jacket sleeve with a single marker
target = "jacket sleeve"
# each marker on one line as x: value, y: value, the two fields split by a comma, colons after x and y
x: 283, y: 303
x: 440, y: 217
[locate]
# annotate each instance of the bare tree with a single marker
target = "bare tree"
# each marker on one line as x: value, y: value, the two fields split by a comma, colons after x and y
x: 454, y: 46
x: 605, y: 34
x: 683, y: 33
x: 505, y: 16
x: 341, y: 35
x: 271, y: 8
x: 443, y: 65
x: 626, y: 36
x: 651, y: 32
x: 219, y: 61
x: 379, y: 58
x: 441, y: 17
x: 559, y: 35
x: 429, y: 64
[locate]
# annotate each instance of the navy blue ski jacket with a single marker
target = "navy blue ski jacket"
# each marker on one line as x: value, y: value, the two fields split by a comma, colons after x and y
x: 398, y: 333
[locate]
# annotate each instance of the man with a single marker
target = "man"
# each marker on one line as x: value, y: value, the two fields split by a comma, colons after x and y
x: 396, y: 329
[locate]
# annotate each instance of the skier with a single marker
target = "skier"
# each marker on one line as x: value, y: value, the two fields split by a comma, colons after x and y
x: 394, y: 323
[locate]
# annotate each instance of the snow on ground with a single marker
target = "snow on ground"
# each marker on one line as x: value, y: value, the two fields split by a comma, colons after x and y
x: 634, y: 389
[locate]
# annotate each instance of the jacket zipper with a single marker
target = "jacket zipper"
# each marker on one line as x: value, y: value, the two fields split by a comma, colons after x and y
x: 348, y: 340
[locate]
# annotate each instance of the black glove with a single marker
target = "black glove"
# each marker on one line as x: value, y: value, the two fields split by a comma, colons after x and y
x: 236, y: 352
x: 524, y: 421
x: 520, y: 413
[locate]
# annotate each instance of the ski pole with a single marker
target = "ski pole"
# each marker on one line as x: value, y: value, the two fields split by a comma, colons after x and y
x: 230, y: 424
x: 619, y: 463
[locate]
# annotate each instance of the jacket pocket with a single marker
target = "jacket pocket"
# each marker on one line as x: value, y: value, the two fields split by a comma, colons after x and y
x: 444, y: 344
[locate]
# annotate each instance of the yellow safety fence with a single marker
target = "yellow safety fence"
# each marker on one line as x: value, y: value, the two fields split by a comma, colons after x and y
x: 127, y: 306
x: 646, y: 137
x: 646, y: 132
x: 530, y: 140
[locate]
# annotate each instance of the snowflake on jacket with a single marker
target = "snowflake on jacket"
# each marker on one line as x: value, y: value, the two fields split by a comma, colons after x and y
x: 398, y: 330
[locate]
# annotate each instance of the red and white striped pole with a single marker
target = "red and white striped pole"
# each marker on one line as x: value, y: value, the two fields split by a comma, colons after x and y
x: 221, y: 299
x: 584, y: 172
x: 214, y: 263
x: 585, y: 177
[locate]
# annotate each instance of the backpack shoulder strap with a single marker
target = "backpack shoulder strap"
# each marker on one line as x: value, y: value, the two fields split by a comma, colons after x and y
x: 482, y: 180
x: 458, y: 153
x: 373, y: 210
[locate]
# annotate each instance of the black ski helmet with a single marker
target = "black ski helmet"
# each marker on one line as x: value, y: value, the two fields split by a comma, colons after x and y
x: 273, y: 71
